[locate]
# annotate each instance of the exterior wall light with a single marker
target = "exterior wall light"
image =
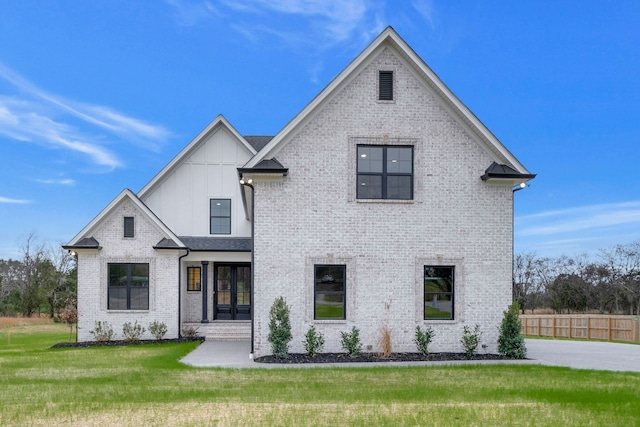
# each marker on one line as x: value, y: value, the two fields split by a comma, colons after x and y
x: 522, y: 186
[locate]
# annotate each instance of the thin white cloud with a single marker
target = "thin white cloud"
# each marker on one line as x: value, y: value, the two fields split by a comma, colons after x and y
x: 190, y: 13
x: 66, y: 181
x: 14, y: 201
x: 144, y: 134
x: 427, y: 10
x: 579, y: 219
x: 28, y: 122
x: 578, y: 229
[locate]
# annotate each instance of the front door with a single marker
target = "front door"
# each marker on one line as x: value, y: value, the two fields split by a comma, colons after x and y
x: 232, y: 300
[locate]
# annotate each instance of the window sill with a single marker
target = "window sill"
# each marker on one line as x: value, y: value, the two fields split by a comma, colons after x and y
x: 330, y: 321
x: 387, y: 201
x: 127, y: 311
x: 439, y: 321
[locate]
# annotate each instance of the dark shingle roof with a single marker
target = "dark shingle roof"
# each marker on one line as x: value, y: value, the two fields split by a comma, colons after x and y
x: 86, y: 243
x: 167, y: 244
x: 217, y: 244
x: 258, y: 142
x: 505, y: 172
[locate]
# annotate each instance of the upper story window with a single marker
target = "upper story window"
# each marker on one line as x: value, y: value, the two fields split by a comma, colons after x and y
x: 128, y: 287
x: 129, y: 229
x: 194, y: 282
x: 220, y: 216
x: 385, y: 172
x: 385, y: 85
x: 329, y: 292
x: 438, y: 292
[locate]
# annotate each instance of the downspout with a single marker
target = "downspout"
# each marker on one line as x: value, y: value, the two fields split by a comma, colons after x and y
x: 180, y: 293
x: 253, y: 302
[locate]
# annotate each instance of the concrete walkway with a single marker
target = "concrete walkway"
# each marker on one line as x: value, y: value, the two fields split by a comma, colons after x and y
x: 606, y: 356
x: 573, y: 354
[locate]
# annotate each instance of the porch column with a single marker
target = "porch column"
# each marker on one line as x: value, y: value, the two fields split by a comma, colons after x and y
x: 205, y: 297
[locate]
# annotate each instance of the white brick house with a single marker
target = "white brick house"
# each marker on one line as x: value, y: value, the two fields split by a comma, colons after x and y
x: 384, y: 203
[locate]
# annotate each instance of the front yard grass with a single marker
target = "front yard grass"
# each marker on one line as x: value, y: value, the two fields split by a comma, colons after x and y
x: 146, y: 385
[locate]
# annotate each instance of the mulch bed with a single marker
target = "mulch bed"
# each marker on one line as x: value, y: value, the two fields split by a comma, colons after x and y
x: 375, y: 357
x: 122, y: 342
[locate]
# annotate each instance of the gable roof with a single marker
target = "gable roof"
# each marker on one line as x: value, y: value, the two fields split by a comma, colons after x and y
x: 389, y: 37
x: 84, y: 239
x: 217, y: 123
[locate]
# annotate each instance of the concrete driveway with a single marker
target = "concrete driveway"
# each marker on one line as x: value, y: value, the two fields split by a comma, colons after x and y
x: 572, y: 354
x: 585, y: 354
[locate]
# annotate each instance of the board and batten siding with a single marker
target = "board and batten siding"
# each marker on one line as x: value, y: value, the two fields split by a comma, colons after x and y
x: 181, y: 200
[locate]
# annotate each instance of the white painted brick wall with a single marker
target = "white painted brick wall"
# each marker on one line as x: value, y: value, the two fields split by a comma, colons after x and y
x: 93, y: 271
x: 312, y: 215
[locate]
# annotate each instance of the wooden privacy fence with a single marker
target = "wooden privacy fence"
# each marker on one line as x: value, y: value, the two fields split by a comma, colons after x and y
x: 587, y: 326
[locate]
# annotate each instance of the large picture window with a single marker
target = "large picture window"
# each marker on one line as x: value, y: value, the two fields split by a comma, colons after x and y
x: 220, y: 216
x: 194, y: 282
x: 329, y: 292
x: 128, y: 287
x: 438, y: 292
x: 385, y: 172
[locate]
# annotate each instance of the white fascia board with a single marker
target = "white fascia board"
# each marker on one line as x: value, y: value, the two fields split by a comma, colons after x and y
x: 219, y: 121
x: 126, y: 193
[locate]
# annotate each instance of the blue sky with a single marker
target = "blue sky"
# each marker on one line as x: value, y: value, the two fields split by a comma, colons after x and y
x: 98, y: 96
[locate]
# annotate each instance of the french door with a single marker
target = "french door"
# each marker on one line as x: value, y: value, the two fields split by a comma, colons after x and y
x: 232, y: 298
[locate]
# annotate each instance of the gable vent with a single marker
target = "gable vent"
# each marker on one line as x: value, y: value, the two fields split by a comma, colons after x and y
x: 385, y: 86
x: 129, y: 226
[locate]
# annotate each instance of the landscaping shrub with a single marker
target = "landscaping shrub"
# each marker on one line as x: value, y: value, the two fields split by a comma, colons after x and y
x: 313, y: 342
x: 471, y: 339
x: 351, y: 342
x: 189, y: 332
x: 279, y: 328
x: 423, y: 338
x: 102, y: 331
x: 132, y: 333
x: 385, y: 342
x: 158, y: 329
x: 510, y: 341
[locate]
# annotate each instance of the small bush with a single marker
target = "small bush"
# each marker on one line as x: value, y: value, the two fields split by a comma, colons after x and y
x: 132, y: 333
x: 102, y: 331
x: 190, y: 333
x: 69, y: 315
x: 386, y: 345
x: 351, y: 342
x: 158, y: 329
x: 510, y: 341
x: 423, y: 338
x: 279, y: 328
x: 313, y: 342
x: 471, y: 339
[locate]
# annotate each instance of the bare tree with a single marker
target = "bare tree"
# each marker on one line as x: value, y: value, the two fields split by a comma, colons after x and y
x: 623, y: 264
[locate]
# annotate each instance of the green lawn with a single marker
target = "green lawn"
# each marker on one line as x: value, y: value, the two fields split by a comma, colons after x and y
x: 146, y: 385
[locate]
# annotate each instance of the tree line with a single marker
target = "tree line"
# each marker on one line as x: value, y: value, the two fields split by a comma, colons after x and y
x: 42, y: 280
x: 606, y: 283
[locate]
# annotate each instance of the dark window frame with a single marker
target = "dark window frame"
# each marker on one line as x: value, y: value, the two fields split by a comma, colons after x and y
x: 317, y: 292
x: 428, y: 296
x: 385, y: 85
x: 211, y: 216
x: 129, y: 286
x: 384, y: 174
x: 190, y: 283
x: 129, y: 226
